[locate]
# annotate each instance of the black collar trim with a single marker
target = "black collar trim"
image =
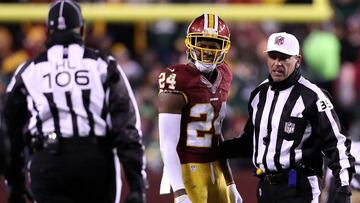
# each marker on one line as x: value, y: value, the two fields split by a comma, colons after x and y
x: 64, y: 38
x: 288, y: 82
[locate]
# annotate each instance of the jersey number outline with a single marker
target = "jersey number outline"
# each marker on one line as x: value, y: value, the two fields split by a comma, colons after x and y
x: 198, y: 132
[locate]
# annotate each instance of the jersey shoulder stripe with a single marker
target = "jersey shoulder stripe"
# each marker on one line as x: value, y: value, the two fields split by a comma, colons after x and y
x: 17, y: 75
x: 94, y: 54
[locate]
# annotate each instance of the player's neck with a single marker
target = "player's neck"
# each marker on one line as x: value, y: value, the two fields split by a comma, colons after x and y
x: 211, y: 77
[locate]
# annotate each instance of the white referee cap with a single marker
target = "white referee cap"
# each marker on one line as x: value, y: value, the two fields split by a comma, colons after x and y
x: 283, y: 42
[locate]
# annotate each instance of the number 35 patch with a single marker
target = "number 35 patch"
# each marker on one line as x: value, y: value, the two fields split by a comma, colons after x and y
x: 323, y: 104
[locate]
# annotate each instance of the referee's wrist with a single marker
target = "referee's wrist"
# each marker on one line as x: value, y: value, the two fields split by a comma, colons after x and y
x: 344, y: 189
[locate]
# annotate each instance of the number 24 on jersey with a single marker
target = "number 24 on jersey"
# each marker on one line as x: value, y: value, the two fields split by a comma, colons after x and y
x: 169, y: 81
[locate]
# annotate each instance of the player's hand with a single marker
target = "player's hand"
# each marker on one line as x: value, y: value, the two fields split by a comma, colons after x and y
x: 342, y: 195
x: 235, y: 196
x: 182, y: 199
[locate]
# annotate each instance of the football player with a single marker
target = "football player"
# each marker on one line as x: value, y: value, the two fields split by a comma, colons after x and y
x: 192, y: 105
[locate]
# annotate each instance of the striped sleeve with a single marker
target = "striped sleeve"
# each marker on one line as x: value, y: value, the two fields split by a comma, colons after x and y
x: 125, y: 122
x: 336, y: 145
x: 15, y: 114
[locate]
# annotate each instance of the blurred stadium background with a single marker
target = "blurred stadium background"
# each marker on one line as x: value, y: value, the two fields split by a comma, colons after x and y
x: 147, y: 35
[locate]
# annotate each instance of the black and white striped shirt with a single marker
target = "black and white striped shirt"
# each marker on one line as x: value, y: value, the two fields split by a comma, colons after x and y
x: 289, y: 122
x: 66, y: 93
x: 355, y: 151
x: 76, y: 92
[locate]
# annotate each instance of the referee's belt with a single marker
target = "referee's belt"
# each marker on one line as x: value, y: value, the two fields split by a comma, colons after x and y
x: 39, y: 143
x: 87, y: 139
x: 283, y: 176
x: 275, y: 178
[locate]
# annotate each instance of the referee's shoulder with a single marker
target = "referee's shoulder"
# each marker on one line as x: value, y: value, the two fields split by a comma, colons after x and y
x: 262, y: 86
x: 310, y: 87
x: 95, y: 54
x: 41, y: 57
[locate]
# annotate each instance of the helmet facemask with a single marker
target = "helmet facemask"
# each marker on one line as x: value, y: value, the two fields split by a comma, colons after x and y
x: 208, y: 54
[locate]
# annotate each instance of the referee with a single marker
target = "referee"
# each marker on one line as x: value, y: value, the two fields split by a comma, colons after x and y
x: 292, y: 124
x: 73, y: 108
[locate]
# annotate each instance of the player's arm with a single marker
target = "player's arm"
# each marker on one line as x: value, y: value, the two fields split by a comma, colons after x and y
x: 170, y: 107
x: 234, y: 194
x: 224, y: 164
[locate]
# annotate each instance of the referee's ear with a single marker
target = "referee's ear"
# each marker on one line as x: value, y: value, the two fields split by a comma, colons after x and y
x: 298, y: 61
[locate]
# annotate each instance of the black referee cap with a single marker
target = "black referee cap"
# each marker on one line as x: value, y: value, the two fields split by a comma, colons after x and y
x: 64, y: 15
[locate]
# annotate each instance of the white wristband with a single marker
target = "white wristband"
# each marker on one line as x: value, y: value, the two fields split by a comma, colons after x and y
x: 181, y: 198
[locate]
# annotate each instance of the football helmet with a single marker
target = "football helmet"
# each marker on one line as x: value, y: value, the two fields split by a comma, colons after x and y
x: 208, y: 27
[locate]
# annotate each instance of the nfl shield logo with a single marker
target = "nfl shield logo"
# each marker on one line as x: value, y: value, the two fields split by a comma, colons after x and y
x: 279, y: 40
x: 289, y: 127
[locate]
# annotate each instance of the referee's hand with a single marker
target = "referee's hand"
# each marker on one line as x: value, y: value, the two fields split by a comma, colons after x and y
x: 136, y: 197
x: 343, y: 195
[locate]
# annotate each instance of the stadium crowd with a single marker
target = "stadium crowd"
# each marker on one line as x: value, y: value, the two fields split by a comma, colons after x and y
x: 331, y: 53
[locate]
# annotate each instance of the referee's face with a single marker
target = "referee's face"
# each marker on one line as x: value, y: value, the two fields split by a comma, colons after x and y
x: 281, y: 65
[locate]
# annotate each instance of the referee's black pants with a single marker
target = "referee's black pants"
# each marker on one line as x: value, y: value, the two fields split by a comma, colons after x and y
x: 307, y: 190
x: 82, y: 171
